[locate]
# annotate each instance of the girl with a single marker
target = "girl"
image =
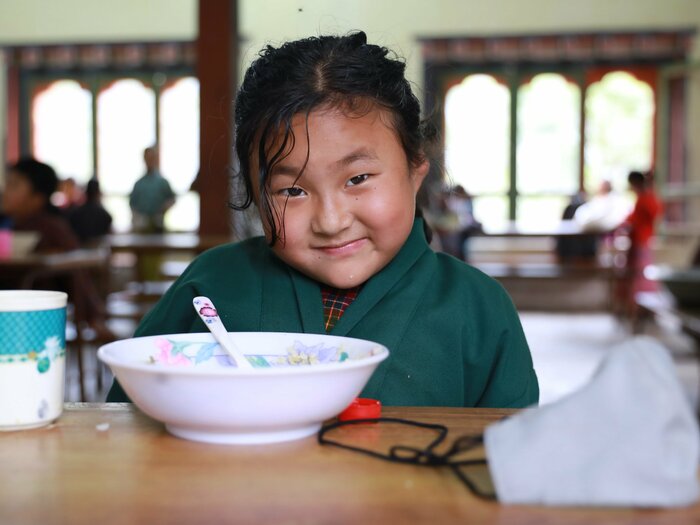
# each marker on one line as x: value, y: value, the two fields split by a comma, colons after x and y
x: 330, y: 146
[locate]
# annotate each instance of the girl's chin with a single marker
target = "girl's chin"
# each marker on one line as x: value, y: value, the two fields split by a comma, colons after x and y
x: 342, y: 283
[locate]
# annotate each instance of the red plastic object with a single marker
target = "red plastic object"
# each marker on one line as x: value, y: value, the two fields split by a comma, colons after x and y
x: 362, y: 408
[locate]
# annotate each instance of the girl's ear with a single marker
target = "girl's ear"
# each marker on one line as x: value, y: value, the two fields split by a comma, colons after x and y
x: 418, y: 173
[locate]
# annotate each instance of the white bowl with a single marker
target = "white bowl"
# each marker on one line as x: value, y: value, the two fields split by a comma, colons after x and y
x: 187, y: 382
x: 23, y: 243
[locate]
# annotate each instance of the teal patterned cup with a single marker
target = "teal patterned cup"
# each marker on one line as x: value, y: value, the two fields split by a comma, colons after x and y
x: 32, y: 357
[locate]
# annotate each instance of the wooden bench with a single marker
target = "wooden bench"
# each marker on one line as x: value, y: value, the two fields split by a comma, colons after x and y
x: 550, y: 286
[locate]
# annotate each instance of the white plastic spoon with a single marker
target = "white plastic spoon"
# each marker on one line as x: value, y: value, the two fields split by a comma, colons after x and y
x: 208, y: 314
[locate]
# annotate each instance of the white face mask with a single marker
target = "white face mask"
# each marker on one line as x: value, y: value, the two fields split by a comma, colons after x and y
x: 628, y: 438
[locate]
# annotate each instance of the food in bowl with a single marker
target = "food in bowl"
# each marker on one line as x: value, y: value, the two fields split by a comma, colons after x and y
x: 188, y: 382
x: 188, y: 353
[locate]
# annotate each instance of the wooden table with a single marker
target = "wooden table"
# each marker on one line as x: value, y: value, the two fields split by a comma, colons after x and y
x: 134, y: 472
x: 146, y: 246
x: 563, y: 228
x: 166, y: 242
x: 24, y: 270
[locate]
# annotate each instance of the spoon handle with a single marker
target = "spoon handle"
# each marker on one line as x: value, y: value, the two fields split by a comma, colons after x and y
x: 208, y: 314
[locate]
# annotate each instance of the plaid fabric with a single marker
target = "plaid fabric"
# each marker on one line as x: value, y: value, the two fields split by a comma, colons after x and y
x: 335, y: 301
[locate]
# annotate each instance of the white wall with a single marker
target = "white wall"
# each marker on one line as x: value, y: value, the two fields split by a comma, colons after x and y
x: 397, y: 23
x: 75, y: 21
x: 394, y: 23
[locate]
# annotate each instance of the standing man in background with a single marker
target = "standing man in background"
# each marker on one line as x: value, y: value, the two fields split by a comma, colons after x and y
x: 151, y: 197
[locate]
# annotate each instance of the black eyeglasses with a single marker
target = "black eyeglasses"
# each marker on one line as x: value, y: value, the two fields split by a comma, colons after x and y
x: 420, y: 456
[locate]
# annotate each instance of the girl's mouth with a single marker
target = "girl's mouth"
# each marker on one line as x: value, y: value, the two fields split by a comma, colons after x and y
x: 343, y: 249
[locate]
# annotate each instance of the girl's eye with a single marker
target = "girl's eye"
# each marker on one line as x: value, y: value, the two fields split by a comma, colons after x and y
x: 294, y: 191
x: 358, y: 179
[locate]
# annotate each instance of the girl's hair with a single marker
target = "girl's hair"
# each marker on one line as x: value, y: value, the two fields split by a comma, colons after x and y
x: 41, y: 177
x: 341, y: 72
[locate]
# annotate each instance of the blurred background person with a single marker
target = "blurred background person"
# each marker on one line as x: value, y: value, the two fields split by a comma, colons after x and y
x: 26, y: 200
x: 68, y: 196
x: 455, y: 222
x: 639, y: 227
x: 151, y: 196
x: 603, y: 212
x: 91, y: 221
x: 579, y: 248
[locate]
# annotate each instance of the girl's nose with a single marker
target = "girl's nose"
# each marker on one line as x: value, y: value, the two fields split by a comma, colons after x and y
x: 330, y: 217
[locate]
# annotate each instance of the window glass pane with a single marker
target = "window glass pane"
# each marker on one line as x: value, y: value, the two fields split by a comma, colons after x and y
x: 126, y: 114
x: 118, y: 207
x: 541, y: 212
x: 179, y: 133
x: 491, y: 211
x: 179, y: 149
x: 548, y: 135
x: 619, y: 128
x: 62, y: 129
x: 477, y: 127
x: 184, y: 215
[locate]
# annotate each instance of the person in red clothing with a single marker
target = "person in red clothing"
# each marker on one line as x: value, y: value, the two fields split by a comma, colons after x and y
x: 639, y: 226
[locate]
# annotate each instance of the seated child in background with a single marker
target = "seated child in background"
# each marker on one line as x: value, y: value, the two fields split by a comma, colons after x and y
x: 90, y: 221
x: 27, y: 202
x: 332, y: 152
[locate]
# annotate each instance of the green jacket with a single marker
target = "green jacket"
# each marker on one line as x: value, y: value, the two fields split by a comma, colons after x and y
x: 453, y: 334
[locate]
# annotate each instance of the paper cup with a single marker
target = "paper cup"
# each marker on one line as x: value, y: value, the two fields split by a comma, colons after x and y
x: 32, y: 357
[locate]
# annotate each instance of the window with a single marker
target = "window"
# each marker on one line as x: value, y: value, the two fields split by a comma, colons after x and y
x: 547, y: 152
x: 582, y: 107
x: 125, y: 127
x: 179, y: 149
x: 131, y: 113
x: 62, y: 129
x: 477, y: 143
x: 529, y: 173
x: 619, y: 129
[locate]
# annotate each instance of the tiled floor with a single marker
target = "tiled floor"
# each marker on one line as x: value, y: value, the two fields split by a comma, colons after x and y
x: 566, y: 350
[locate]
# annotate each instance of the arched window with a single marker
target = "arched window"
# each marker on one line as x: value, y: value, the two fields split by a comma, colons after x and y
x: 477, y: 143
x: 618, y: 112
x: 179, y: 149
x: 62, y: 129
x: 125, y: 127
x: 619, y: 129
x: 547, y: 150
x: 179, y: 132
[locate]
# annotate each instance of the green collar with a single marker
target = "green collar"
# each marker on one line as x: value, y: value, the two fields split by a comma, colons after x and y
x: 308, y: 291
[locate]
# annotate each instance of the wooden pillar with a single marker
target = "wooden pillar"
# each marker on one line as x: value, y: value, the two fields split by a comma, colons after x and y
x: 12, y: 145
x: 217, y: 66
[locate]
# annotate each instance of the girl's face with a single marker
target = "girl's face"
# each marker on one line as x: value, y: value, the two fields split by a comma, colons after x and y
x: 353, y: 208
x: 19, y: 200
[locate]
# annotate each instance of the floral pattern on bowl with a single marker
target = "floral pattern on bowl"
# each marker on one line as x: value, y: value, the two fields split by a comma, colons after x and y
x: 192, y: 353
